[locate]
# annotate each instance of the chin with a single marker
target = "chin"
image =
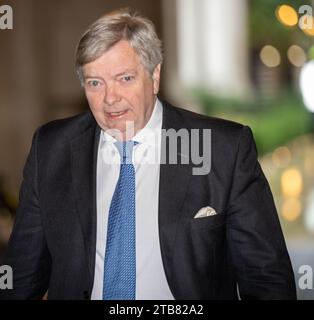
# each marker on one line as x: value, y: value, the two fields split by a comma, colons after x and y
x: 119, y: 129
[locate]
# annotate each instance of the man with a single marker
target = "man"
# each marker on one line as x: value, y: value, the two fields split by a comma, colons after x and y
x: 95, y: 224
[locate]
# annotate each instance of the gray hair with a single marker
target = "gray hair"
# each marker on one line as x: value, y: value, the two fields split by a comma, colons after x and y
x: 113, y: 27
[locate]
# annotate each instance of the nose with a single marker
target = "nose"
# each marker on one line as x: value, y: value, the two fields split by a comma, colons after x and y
x: 111, y: 94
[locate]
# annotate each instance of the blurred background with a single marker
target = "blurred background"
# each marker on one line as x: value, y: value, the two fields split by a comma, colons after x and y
x: 249, y: 61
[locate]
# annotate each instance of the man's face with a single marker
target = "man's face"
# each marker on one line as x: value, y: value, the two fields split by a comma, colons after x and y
x: 119, y: 89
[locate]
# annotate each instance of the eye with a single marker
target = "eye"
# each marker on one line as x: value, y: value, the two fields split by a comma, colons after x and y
x: 127, y: 78
x: 93, y: 83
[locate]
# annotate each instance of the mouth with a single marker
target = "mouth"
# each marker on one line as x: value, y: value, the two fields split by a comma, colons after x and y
x: 116, y: 115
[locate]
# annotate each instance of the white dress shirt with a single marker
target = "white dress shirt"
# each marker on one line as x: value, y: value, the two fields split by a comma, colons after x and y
x: 151, y: 283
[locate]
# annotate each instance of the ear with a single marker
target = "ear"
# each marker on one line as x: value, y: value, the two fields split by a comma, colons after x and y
x: 156, y: 78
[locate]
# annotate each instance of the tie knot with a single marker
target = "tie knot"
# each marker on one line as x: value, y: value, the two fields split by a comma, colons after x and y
x: 125, y: 149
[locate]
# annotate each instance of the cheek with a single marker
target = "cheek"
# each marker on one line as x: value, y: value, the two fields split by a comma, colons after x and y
x: 94, y: 102
x: 137, y: 111
x: 141, y: 100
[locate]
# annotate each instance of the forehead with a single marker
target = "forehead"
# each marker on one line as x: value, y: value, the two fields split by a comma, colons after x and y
x: 117, y: 59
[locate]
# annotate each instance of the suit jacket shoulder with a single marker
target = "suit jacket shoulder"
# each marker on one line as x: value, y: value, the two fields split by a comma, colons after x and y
x: 226, y: 135
x: 194, y: 120
x: 67, y: 128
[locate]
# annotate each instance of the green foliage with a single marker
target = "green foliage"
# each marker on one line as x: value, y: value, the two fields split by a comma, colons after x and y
x: 273, y: 123
x: 266, y: 29
x: 279, y: 124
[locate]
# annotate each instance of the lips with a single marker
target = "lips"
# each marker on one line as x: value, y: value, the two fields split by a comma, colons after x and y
x: 116, y: 114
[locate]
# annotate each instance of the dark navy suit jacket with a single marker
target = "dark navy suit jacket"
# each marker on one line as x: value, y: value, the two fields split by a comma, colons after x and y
x: 53, y: 243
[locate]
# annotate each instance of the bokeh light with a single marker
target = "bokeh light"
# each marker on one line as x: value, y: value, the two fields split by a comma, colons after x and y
x: 307, y: 25
x: 291, y: 209
x: 287, y: 15
x: 306, y: 85
x: 281, y: 157
x: 296, y: 56
x: 291, y: 183
x: 270, y: 56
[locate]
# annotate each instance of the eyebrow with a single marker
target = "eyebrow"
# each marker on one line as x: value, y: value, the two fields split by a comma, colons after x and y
x: 126, y: 71
x: 93, y: 77
x: 117, y: 75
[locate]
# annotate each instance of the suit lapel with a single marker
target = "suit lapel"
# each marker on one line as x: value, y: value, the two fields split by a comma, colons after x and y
x: 174, y: 180
x: 84, y: 150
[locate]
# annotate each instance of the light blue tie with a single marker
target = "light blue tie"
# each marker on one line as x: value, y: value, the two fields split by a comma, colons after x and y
x: 120, y: 258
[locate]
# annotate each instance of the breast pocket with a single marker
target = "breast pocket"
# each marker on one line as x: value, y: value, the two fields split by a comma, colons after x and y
x: 210, y: 222
x: 207, y: 237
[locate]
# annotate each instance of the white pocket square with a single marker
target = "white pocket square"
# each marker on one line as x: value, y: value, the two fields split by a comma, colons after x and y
x: 205, y: 212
